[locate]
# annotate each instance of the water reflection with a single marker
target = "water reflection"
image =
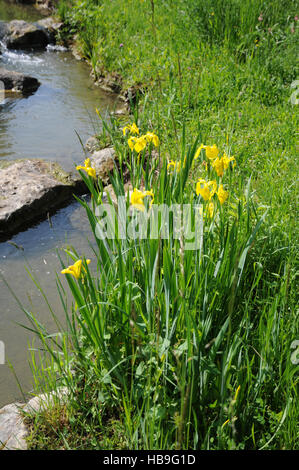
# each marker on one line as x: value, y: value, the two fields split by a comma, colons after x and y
x: 45, y: 124
x: 38, y: 251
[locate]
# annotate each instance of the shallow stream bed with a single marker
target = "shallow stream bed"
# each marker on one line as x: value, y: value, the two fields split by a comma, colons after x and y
x: 44, y: 125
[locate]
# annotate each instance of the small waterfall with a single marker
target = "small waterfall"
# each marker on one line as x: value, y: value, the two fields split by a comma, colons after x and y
x: 8, y: 56
x: 3, y: 47
x: 56, y: 48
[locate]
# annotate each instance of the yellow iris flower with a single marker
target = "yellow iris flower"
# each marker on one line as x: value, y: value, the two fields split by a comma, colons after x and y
x: 212, y: 151
x: 89, y: 170
x: 206, y: 189
x: 222, y: 194
x: 197, y: 153
x: 133, y: 129
x: 218, y: 165
x: 137, y: 143
x: 174, y: 166
x: 75, y: 269
x: 151, y: 137
x: 140, y: 144
x: 211, y: 209
x: 221, y: 164
x: 227, y: 160
x: 138, y: 196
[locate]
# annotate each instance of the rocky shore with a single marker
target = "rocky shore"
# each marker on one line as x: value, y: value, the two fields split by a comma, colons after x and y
x: 30, y: 189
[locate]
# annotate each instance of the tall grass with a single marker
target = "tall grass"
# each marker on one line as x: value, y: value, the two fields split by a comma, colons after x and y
x: 234, y: 20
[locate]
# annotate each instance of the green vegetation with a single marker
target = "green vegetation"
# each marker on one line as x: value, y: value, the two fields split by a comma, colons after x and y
x: 169, y: 348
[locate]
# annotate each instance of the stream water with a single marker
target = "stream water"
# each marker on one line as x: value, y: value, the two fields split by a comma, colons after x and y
x: 41, y: 126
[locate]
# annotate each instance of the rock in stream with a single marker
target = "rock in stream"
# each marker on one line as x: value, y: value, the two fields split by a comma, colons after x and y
x: 30, y: 189
x: 18, y: 82
x: 19, y: 34
x: 23, y: 35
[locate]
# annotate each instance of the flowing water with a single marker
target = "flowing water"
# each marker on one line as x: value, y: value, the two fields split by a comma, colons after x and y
x: 43, y: 125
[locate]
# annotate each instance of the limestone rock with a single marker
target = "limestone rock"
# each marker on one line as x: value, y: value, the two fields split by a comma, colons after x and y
x: 29, y: 189
x: 52, y: 26
x: 17, y: 82
x: 75, y: 49
x: 122, y: 110
x: 12, y: 428
x: 109, y: 190
x: 103, y: 162
x: 23, y: 35
x: 92, y: 144
x: 111, y: 82
x: 46, y: 401
x: 45, y: 5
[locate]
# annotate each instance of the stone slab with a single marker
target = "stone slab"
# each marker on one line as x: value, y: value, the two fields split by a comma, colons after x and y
x: 29, y: 189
